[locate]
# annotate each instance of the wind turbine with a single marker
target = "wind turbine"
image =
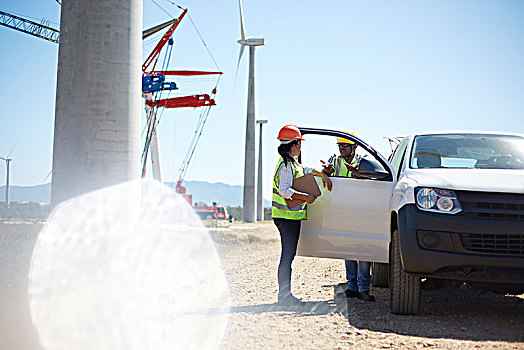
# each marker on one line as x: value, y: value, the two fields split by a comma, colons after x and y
x: 248, y: 206
x: 7, y: 164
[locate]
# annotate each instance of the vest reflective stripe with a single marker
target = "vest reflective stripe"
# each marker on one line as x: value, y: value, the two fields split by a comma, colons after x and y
x: 341, y: 170
x: 285, y: 207
x: 279, y: 207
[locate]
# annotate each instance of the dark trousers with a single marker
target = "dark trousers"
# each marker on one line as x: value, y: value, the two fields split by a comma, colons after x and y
x: 289, y: 234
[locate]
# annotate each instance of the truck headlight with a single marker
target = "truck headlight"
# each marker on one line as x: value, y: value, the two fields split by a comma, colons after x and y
x: 437, y: 200
x: 426, y: 198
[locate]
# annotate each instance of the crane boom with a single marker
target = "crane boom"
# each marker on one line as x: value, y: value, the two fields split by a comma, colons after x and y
x: 184, y: 101
x: 153, y: 30
x: 29, y: 27
x: 51, y: 34
x: 161, y: 43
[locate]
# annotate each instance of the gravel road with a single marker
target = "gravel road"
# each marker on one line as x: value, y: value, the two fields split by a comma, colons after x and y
x: 448, y: 319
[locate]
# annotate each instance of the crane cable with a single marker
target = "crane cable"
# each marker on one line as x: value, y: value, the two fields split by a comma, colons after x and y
x: 184, y: 167
x: 194, y: 26
x: 203, y: 116
x: 203, y: 42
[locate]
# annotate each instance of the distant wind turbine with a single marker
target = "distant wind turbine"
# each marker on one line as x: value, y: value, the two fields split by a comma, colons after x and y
x: 7, y: 164
x: 249, y: 208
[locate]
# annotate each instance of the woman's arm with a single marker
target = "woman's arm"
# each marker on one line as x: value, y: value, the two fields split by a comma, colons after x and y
x: 285, y: 183
x: 325, y: 179
x: 306, y: 197
x: 285, y: 189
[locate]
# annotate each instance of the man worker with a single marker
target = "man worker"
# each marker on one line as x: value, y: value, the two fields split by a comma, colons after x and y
x: 346, y: 165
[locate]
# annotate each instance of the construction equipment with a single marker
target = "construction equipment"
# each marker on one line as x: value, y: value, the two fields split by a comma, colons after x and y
x: 213, y: 215
x: 29, y: 27
x: 154, y: 83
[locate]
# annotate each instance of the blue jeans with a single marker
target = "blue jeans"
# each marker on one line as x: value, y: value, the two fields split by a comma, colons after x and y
x: 358, y: 275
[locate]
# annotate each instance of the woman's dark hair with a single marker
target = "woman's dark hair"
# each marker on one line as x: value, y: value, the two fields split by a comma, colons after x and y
x: 284, y: 149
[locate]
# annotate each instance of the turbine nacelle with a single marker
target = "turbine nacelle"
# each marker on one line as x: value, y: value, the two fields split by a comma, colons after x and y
x: 251, y: 41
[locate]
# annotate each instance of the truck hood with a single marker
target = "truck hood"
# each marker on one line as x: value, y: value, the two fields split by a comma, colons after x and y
x: 485, y: 180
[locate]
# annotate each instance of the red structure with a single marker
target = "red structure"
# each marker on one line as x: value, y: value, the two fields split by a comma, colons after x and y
x: 214, y: 212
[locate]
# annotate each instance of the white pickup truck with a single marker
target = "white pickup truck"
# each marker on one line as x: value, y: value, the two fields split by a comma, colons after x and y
x: 445, y: 205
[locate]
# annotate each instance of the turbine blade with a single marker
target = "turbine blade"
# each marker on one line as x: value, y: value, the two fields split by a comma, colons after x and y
x: 242, y: 47
x: 235, y: 83
x: 47, y: 176
x: 242, y: 32
x: 11, y: 152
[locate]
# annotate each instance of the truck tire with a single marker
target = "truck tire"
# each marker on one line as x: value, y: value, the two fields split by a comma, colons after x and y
x: 380, y: 275
x: 404, y: 289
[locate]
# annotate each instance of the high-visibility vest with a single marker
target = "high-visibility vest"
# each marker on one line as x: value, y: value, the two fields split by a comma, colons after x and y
x: 279, y: 207
x: 341, y: 170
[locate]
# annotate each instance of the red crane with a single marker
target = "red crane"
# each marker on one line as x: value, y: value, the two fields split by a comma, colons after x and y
x: 153, y: 82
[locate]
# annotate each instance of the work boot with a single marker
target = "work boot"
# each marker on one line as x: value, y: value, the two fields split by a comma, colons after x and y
x: 351, y: 293
x: 366, y: 296
x: 288, y: 299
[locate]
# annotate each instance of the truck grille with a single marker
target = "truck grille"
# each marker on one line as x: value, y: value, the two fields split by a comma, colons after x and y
x: 509, y: 206
x: 500, y: 244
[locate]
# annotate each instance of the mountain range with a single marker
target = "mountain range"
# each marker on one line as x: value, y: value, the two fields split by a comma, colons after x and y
x: 202, y: 191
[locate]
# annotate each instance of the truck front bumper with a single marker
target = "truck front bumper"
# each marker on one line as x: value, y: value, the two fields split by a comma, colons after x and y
x: 458, y: 247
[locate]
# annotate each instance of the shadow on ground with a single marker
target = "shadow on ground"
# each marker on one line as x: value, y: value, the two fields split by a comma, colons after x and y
x: 458, y: 313
x: 308, y: 308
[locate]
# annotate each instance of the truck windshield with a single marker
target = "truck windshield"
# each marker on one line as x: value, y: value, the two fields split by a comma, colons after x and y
x: 480, y: 151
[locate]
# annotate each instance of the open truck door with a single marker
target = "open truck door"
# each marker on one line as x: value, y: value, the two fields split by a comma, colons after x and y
x: 352, y: 221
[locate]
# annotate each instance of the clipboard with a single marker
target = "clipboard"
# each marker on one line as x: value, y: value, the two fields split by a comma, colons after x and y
x: 305, y: 184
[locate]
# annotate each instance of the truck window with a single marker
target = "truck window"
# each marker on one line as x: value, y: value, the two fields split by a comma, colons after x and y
x: 398, y: 156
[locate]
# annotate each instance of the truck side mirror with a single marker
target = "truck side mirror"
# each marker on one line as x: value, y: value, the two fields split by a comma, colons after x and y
x: 372, y: 169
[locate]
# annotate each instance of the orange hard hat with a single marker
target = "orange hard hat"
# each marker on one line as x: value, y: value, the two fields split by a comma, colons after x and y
x: 290, y: 132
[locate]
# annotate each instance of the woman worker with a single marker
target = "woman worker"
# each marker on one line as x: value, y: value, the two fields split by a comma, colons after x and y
x: 288, y: 220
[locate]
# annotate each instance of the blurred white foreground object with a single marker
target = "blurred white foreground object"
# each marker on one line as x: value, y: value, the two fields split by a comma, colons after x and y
x: 109, y: 273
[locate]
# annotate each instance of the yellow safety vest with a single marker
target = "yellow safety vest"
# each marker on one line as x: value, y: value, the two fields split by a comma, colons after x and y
x: 341, y: 170
x: 279, y: 207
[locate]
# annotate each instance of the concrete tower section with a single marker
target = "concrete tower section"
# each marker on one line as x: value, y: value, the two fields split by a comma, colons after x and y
x: 248, y: 202
x: 97, y: 119
x: 260, y: 197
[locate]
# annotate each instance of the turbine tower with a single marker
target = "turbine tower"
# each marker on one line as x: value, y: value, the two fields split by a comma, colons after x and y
x: 260, y: 197
x: 7, y: 164
x: 248, y: 206
x: 97, y: 113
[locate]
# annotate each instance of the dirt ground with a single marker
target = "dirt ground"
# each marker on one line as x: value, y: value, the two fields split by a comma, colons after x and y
x: 448, y: 318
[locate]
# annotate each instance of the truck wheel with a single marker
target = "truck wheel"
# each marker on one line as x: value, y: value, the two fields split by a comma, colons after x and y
x: 404, y: 289
x: 380, y: 275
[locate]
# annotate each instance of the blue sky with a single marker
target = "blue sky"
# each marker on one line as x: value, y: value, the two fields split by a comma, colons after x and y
x: 381, y: 68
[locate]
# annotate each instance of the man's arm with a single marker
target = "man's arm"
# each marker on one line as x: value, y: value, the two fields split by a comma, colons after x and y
x: 353, y: 170
x: 328, y: 166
